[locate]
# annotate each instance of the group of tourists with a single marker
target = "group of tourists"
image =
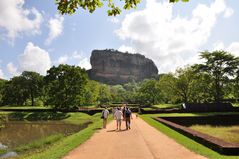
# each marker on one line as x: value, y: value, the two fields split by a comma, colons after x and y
x: 120, y: 114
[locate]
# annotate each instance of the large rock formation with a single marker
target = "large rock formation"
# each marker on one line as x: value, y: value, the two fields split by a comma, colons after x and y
x: 114, y: 67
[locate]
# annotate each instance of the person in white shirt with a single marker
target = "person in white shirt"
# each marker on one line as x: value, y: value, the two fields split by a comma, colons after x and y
x: 118, y: 116
x: 105, y: 114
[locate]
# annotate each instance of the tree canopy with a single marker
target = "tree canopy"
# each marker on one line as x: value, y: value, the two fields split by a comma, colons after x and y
x: 220, y: 65
x: 70, y: 6
x: 66, y: 86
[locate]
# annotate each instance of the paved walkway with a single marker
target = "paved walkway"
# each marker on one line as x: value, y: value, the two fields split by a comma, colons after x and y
x: 140, y: 142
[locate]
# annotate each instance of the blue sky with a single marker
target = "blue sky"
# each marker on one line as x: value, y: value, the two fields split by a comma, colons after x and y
x: 33, y: 36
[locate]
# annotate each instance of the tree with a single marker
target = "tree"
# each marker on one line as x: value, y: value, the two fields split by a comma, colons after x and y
x: 131, y: 92
x: 70, y: 6
x: 118, y: 93
x: 104, y: 94
x: 15, y: 91
x: 149, y: 92
x: 235, y: 87
x: 178, y: 87
x: 201, y: 91
x: 33, y: 83
x: 66, y: 86
x: 92, y: 92
x: 2, y: 85
x: 220, y: 65
x: 168, y: 88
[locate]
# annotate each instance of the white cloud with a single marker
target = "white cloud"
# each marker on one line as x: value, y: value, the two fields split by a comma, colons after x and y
x: 171, y: 41
x: 62, y: 59
x: 218, y: 46
x: 15, y: 19
x: 124, y: 48
x: 114, y: 20
x: 84, y: 63
x: 75, y: 58
x: 232, y: 48
x: 229, y: 12
x: 34, y: 59
x: 55, y: 26
x: 12, y: 70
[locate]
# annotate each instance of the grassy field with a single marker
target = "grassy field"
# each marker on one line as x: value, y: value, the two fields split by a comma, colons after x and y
x: 55, y: 146
x: 229, y: 134
x: 23, y: 107
x: 163, y: 106
x: 183, y: 140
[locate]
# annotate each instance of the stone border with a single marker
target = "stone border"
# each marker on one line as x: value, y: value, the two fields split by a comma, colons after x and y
x: 211, y: 142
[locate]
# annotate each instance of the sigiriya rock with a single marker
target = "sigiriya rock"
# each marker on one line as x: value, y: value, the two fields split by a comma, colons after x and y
x: 115, y: 67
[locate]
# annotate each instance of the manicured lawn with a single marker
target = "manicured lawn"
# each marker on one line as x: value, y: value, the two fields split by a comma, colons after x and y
x: 163, y: 106
x: 23, y: 107
x: 183, y: 140
x: 226, y: 133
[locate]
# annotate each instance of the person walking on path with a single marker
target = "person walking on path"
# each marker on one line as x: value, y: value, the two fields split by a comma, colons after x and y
x: 118, y: 117
x: 128, y: 116
x: 104, y: 116
x: 123, y: 111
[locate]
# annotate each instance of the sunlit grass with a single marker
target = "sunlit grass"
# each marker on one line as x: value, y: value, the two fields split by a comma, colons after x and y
x: 226, y: 133
x: 22, y: 107
x: 40, y: 143
x: 163, y: 106
x: 183, y: 140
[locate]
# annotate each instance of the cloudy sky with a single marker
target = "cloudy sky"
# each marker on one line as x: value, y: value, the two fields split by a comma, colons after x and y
x: 34, y: 37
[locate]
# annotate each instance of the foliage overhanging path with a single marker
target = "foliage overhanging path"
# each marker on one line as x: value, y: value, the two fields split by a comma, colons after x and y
x: 71, y: 6
x: 142, y: 141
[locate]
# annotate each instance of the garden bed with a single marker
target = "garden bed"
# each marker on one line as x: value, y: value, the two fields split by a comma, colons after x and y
x: 182, y: 124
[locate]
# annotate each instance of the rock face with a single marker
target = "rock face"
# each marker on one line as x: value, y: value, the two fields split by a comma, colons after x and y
x: 114, y: 67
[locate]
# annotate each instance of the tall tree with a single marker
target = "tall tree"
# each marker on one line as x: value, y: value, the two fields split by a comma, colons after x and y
x: 15, y: 91
x: 92, y: 92
x: 33, y: 84
x: 220, y: 65
x: 178, y: 87
x: 66, y: 86
x: 104, y: 94
x: 2, y: 85
x: 236, y: 82
x: 201, y: 90
x: 118, y: 93
x: 149, y: 92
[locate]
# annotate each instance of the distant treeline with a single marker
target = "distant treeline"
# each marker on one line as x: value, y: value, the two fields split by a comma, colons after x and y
x: 68, y: 87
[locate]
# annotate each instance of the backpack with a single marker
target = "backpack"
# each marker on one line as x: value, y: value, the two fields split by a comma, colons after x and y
x: 127, y: 113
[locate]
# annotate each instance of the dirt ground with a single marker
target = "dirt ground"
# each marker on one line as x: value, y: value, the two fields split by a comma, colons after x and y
x: 140, y: 142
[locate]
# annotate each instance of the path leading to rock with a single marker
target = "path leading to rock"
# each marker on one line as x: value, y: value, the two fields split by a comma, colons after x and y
x: 140, y: 142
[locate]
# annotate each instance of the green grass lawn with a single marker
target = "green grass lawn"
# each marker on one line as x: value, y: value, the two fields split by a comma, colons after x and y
x: 23, y: 107
x: 56, y: 146
x: 226, y: 133
x: 183, y: 140
x: 163, y: 106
